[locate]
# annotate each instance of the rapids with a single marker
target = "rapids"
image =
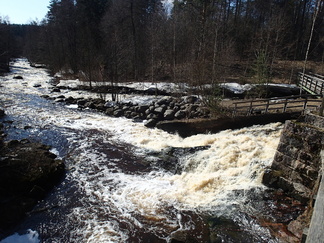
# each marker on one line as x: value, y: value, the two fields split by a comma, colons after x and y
x: 112, y: 193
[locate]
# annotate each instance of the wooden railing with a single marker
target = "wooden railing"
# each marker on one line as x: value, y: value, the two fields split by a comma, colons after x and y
x: 312, y: 83
x: 277, y: 105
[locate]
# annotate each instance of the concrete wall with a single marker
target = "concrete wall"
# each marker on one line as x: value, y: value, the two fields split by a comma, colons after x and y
x: 297, y: 162
x: 316, y: 229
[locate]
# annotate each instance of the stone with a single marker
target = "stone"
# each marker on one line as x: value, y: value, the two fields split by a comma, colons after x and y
x: 169, y: 114
x: 296, y: 227
x: 155, y: 91
x: 18, y: 77
x: 191, y: 99
x: 180, y: 115
x: 118, y: 113
x: 150, y: 123
x: 134, y: 114
x: 164, y: 101
x: 55, y: 90
x: 159, y: 110
x: 142, y: 108
x: 45, y: 96
x: 152, y: 116
x: 70, y: 100
x: 302, y: 190
x: 152, y: 91
x: 90, y: 104
x: 148, y: 111
x: 109, y: 111
x: 137, y: 119
x: 100, y: 107
x: 59, y: 100
x: 125, y: 107
x: 110, y: 104
x: 270, y: 178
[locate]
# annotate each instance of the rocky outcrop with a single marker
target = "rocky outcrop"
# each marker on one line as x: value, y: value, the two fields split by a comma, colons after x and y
x: 28, y: 171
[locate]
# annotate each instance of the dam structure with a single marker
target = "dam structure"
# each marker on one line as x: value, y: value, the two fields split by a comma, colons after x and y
x: 297, y: 169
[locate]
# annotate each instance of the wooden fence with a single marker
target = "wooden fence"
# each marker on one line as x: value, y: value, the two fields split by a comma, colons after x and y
x: 277, y: 105
x: 312, y: 83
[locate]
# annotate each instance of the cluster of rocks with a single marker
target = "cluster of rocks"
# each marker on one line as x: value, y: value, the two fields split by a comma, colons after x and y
x: 166, y: 108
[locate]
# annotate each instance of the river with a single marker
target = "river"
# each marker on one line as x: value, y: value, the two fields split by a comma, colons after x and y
x: 114, y: 189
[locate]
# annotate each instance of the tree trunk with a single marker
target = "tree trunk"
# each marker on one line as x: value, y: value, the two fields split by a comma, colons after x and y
x: 134, y: 41
x: 311, y: 36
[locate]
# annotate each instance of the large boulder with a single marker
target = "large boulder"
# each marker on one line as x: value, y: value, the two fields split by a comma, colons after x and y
x: 28, y: 172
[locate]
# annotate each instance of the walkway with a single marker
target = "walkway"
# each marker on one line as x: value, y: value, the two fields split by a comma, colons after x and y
x: 312, y: 83
x: 286, y: 104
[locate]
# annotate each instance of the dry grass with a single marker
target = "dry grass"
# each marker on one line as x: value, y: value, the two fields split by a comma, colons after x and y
x: 283, y: 71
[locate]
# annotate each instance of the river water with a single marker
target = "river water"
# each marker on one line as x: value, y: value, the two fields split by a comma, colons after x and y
x: 115, y: 191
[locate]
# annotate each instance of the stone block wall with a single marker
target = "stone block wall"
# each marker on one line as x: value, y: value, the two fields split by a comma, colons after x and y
x: 297, y: 164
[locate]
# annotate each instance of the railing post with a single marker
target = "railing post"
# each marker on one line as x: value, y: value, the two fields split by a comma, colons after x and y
x: 305, y: 104
x: 322, y: 107
x: 285, y: 106
x: 235, y: 110
x: 250, y: 109
x: 267, y: 106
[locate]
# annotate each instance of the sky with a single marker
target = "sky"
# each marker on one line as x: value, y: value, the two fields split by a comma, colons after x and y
x: 26, y: 11
x: 23, y: 11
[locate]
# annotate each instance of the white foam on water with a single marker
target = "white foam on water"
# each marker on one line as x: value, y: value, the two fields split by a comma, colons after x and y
x: 234, y: 161
x: 30, y: 237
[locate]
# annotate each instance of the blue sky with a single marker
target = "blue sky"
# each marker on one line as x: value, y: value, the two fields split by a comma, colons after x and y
x: 23, y: 11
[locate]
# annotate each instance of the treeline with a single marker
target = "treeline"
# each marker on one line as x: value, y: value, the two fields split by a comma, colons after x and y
x: 12, y: 39
x: 195, y: 41
x: 7, y: 44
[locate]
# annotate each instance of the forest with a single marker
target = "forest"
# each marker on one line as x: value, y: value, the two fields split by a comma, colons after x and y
x: 192, y: 41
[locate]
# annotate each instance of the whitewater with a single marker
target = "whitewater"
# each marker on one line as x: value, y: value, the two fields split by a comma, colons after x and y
x: 113, y: 193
